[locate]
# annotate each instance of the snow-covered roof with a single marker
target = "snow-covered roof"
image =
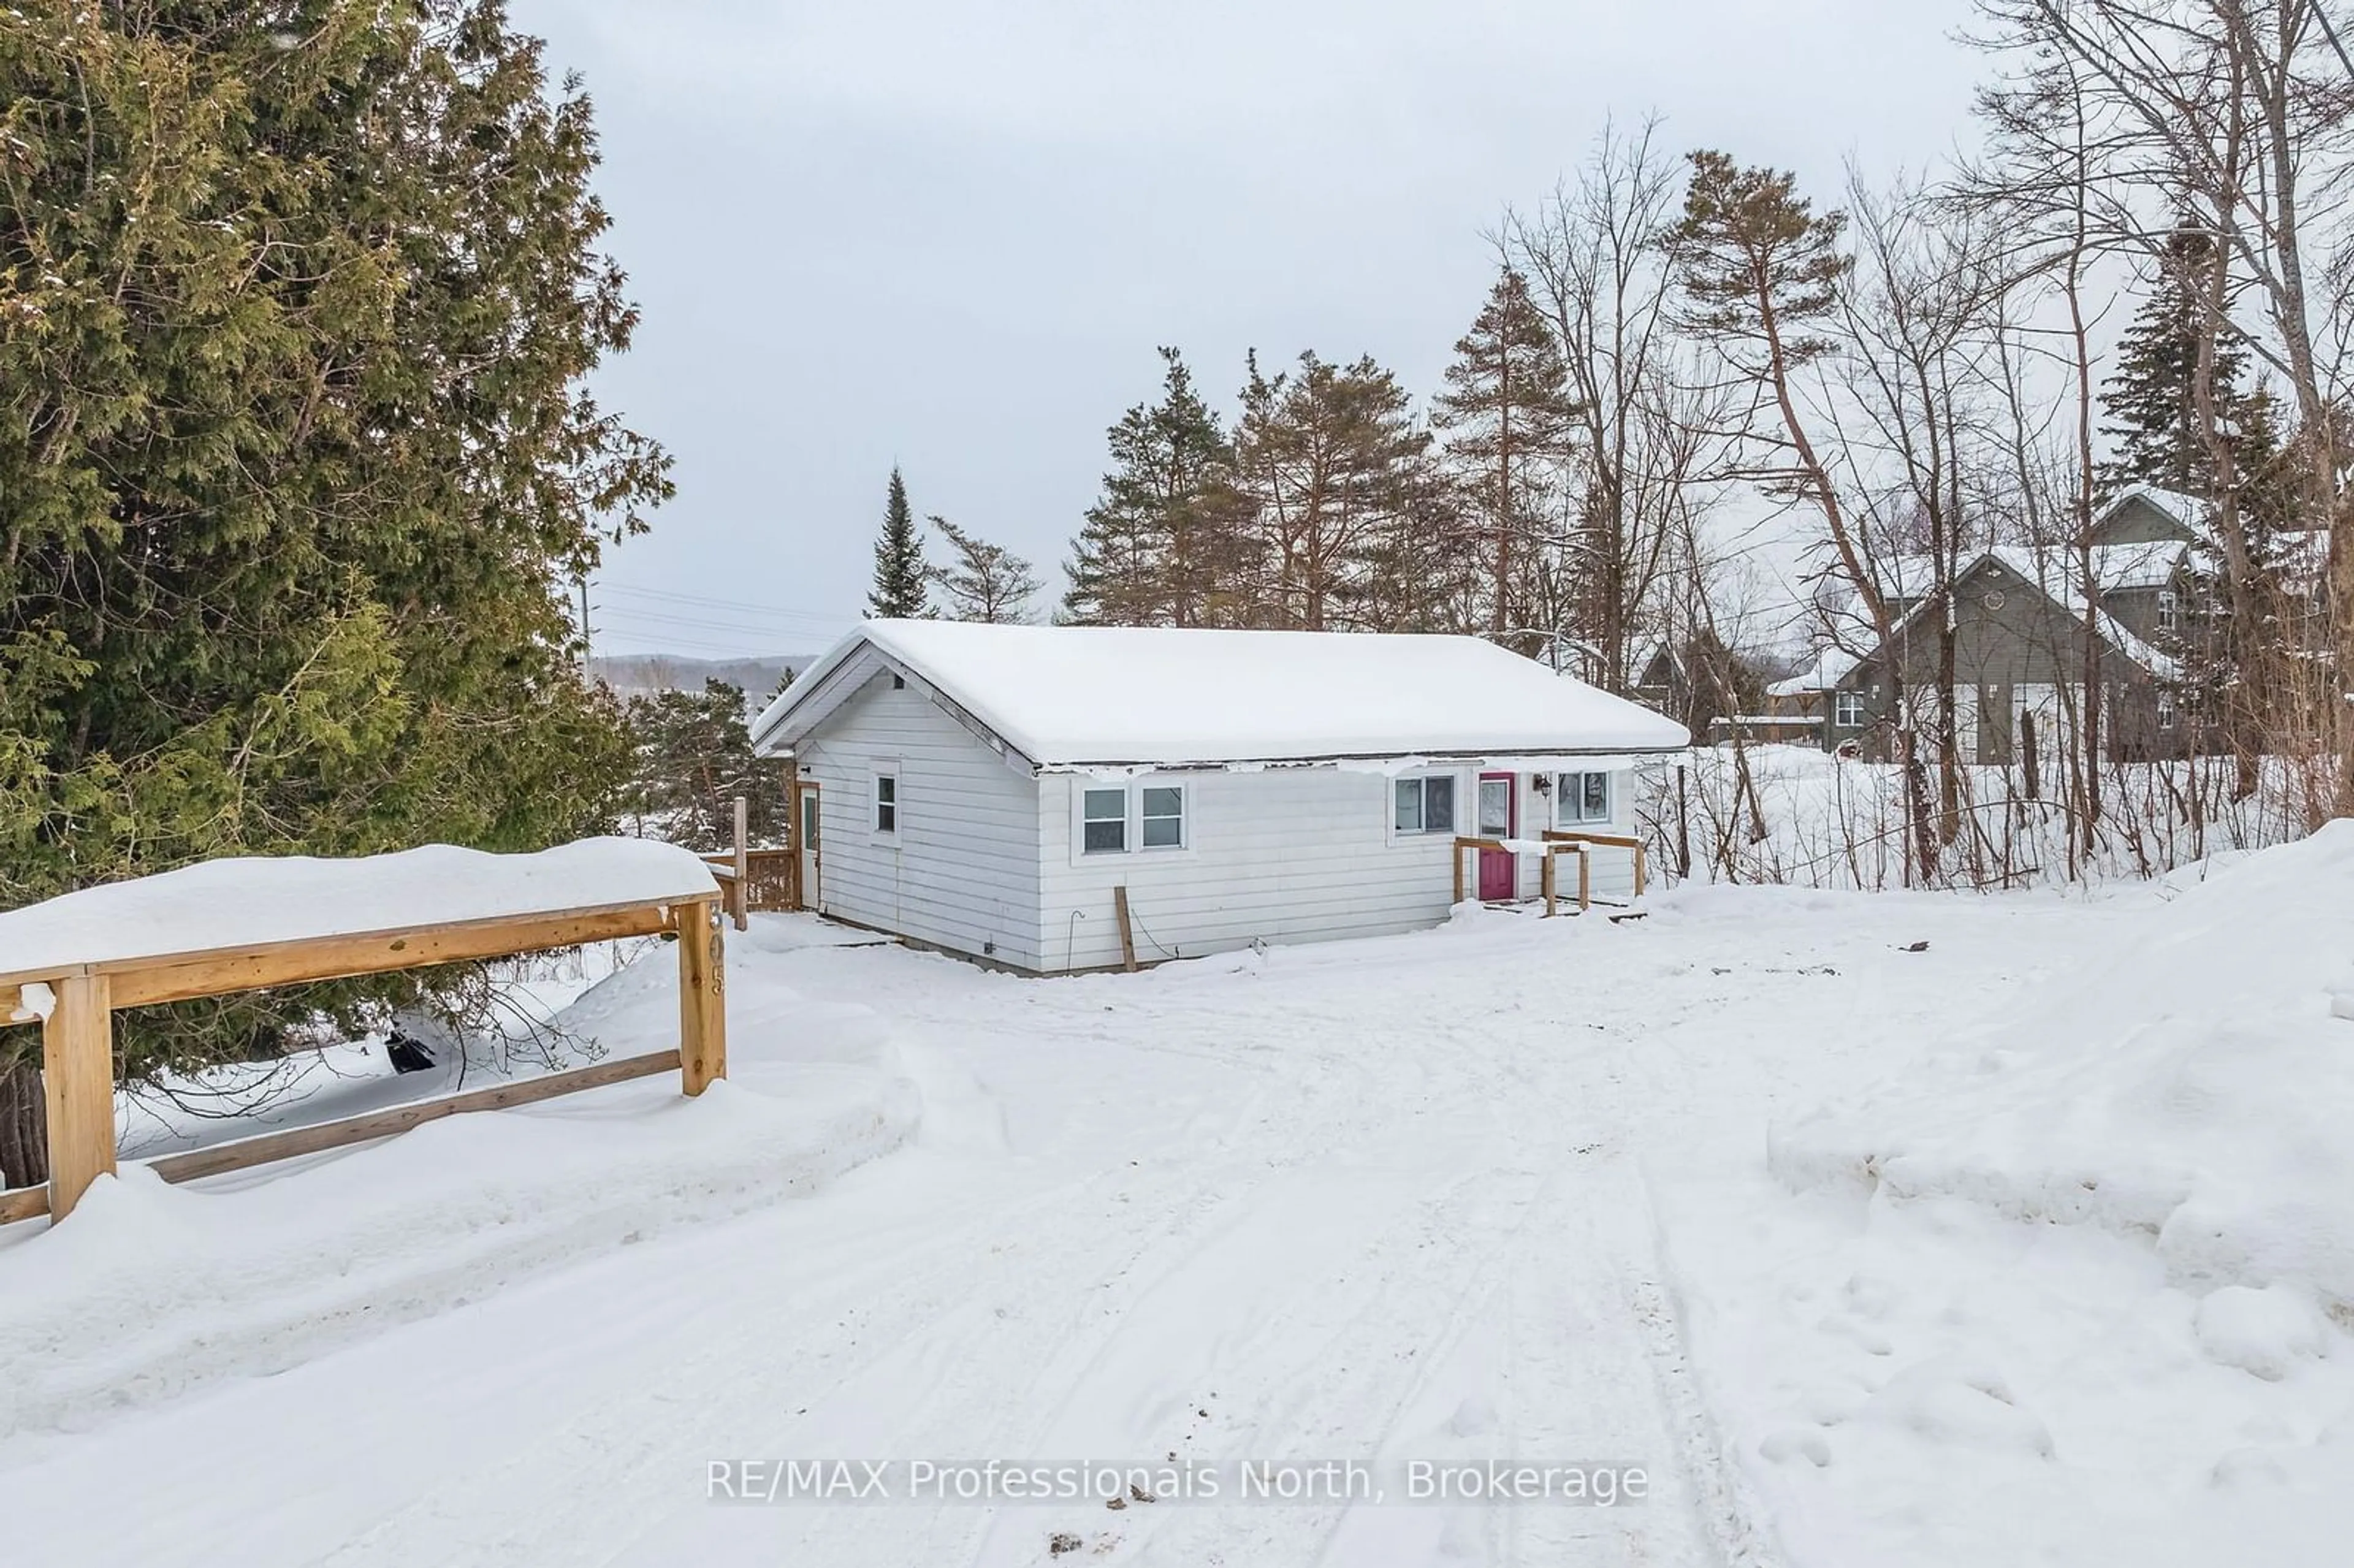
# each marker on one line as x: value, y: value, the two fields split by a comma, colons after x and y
x: 1083, y: 697
x: 2186, y: 510
x: 2116, y: 566
x: 224, y: 906
x: 1909, y: 577
x: 1829, y: 668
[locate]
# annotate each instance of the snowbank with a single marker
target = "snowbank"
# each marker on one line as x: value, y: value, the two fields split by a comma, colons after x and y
x: 150, y: 1289
x: 2191, y: 1085
x: 248, y: 901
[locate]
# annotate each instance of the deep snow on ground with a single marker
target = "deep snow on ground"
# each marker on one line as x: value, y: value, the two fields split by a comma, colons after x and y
x: 1501, y: 1188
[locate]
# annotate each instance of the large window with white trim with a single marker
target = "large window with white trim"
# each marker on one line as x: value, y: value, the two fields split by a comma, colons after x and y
x: 1847, y: 710
x: 1581, y: 798
x: 1115, y: 819
x: 1424, y: 805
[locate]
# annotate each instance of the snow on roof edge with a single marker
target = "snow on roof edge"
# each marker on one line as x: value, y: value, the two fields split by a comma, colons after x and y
x: 1618, y: 725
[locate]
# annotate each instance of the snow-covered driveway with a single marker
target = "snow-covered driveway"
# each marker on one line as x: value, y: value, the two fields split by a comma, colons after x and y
x: 1387, y: 1200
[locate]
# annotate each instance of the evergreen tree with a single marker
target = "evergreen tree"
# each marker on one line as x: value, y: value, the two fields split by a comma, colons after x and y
x: 694, y: 758
x: 983, y: 581
x: 1506, y: 417
x: 1761, y: 273
x: 296, y: 456
x: 2152, y: 400
x: 900, y: 575
x: 1331, y: 463
x: 1160, y: 547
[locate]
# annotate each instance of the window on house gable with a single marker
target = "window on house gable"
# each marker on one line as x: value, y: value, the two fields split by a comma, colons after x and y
x: 887, y: 803
x: 1424, y: 805
x: 2165, y: 708
x: 1581, y: 798
x: 1103, y: 828
x: 2169, y: 610
x: 1847, y: 710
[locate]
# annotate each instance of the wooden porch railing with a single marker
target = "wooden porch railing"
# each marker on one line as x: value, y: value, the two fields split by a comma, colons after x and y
x: 1551, y: 852
x: 1614, y: 840
x: 767, y: 881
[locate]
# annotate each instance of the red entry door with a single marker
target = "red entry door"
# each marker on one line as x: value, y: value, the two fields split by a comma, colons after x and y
x: 1499, y: 818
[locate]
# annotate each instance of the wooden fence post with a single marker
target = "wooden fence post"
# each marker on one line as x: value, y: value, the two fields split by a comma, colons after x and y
x: 1552, y: 858
x: 78, y: 1077
x: 702, y: 997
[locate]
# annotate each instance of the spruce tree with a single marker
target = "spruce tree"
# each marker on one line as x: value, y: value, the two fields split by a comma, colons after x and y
x: 900, y: 575
x: 983, y: 582
x: 1159, y: 546
x: 2152, y: 400
x: 296, y: 455
x: 1505, y: 415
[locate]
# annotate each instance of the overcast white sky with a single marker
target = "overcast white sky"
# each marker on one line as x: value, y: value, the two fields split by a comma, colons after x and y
x: 951, y: 235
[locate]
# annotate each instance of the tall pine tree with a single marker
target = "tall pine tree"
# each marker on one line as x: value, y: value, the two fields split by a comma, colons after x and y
x: 900, y: 575
x: 1161, y: 547
x: 1332, y: 464
x: 1505, y: 415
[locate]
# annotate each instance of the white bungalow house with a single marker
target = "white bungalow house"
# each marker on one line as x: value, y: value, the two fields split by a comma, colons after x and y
x: 984, y: 789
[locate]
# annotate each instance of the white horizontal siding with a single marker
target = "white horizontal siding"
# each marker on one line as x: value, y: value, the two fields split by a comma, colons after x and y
x: 962, y: 871
x: 1284, y: 855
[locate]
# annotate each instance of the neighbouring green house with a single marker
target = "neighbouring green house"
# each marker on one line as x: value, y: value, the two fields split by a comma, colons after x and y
x: 2025, y: 630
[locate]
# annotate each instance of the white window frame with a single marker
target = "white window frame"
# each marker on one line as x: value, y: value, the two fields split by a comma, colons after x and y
x: 1080, y: 790
x: 1847, y: 710
x: 2168, y: 712
x: 2169, y: 610
x: 1131, y: 818
x: 1457, y: 801
x: 877, y: 773
x: 1185, y: 817
x: 1578, y: 819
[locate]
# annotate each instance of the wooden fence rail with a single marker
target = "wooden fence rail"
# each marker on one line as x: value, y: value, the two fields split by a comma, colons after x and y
x: 78, y: 1034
